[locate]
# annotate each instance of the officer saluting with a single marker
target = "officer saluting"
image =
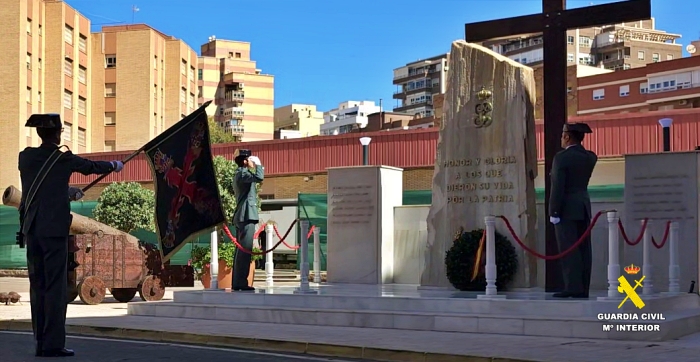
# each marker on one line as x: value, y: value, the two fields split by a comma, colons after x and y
x: 45, y: 219
x: 570, y: 208
x: 248, y: 174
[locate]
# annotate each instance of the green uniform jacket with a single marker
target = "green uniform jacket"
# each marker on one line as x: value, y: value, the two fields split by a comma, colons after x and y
x: 244, y: 185
x: 571, y: 171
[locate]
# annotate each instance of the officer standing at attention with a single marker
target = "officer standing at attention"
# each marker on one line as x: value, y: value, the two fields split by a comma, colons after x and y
x: 570, y: 208
x: 248, y: 175
x: 45, y: 221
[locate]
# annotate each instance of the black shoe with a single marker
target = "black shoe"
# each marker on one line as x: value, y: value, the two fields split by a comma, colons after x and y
x: 63, y: 352
x: 244, y: 289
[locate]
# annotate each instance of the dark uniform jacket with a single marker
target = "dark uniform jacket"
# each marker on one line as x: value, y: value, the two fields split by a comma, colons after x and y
x: 246, y: 194
x: 48, y: 215
x: 571, y: 171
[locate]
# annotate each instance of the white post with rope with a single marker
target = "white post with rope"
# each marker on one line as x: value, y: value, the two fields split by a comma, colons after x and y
x: 317, y: 255
x: 214, y: 262
x: 269, y: 260
x: 613, y: 255
x: 304, y: 260
x: 491, y: 289
x: 647, y: 285
x: 674, y: 270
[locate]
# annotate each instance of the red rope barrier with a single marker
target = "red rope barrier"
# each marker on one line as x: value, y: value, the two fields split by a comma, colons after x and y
x: 663, y: 242
x: 639, y: 237
x: 241, y: 248
x: 308, y: 236
x: 560, y: 255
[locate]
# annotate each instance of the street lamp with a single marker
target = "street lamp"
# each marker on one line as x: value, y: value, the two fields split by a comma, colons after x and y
x: 364, y: 141
x: 666, y: 125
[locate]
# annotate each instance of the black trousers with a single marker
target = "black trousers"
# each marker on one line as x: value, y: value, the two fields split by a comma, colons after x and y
x: 245, y: 232
x: 576, y: 266
x: 47, y: 260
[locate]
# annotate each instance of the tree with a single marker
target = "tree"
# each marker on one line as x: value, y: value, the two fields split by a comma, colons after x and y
x: 218, y: 135
x: 126, y: 206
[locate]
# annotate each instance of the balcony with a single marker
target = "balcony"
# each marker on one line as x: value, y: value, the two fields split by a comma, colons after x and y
x: 415, y: 74
x: 406, y: 107
x: 234, y: 97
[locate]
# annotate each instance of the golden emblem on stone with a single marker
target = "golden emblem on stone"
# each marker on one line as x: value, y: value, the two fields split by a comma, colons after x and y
x: 483, y: 109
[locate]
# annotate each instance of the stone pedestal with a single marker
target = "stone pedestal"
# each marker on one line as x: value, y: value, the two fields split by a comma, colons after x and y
x: 361, y: 203
x: 663, y: 187
x: 486, y: 158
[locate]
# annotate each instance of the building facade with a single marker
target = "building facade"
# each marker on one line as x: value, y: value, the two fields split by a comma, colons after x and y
x: 143, y: 83
x: 418, y: 82
x: 573, y: 73
x: 349, y: 116
x: 243, y: 97
x: 616, y: 47
x: 45, y: 67
x: 303, y: 120
x: 660, y: 86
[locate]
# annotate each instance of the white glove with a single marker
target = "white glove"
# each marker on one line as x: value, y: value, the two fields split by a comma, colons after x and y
x: 255, y: 160
x: 75, y: 194
x: 554, y: 220
x: 118, y: 165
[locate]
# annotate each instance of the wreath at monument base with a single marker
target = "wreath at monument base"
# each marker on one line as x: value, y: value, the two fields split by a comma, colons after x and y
x: 460, y: 258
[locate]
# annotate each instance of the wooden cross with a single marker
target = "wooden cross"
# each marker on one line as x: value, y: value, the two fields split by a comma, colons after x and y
x: 553, y: 22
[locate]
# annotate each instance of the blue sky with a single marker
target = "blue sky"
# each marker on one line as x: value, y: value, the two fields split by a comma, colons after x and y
x: 328, y: 51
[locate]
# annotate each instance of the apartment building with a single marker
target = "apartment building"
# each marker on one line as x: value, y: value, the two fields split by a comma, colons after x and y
x: 349, y: 115
x: 573, y: 73
x: 143, y: 83
x: 418, y: 82
x: 243, y: 97
x: 44, y: 68
x: 666, y: 85
x: 303, y: 120
x: 617, y: 47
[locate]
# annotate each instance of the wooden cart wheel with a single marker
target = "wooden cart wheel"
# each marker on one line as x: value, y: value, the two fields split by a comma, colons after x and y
x: 152, y: 289
x: 72, y: 294
x: 123, y: 295
x: 92, y: 290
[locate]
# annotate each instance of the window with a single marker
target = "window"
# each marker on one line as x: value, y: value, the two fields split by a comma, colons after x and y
x: 183, y: 67
x: 568, y: 90
x: 68, y: 35
x: 155, y: 91
x: 584, y: 41
x: 110, y: 89
x: 68, y: 67
x: 81, y: 136
x: 655, y: 57
x: 40, y: 31
x: 39, y: 63
x: 29, y: 61
x: 199, y: 92
x: 570, y: 40
x: 230, y: 54
x: 599, y: 94
x: 110, y: 118
x: 67, y: 131
x: 38, y: 97
x: 183, y: 95
x: 82, y: 43
x: 191, y: 104
x: 669, y: 56
x: 155, y: 62
x: 624, y: 90
x: 570, y: 58
x: 640, y: 55
x: 199, y: 74
x: 110, y: 146
x: 82, y: 74
x: 67, y: 99
x: 110, y: 61
x: 82, y: 105
x: 29, y: 95
x: 191, y: 74
x: 29, y: 26
x: 238, y: 55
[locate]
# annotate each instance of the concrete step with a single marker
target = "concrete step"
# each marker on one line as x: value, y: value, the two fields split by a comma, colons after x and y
x: 677, y: 323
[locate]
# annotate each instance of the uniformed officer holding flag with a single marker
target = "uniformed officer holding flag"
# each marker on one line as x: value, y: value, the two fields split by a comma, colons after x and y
x: 45, y: 219
x: 570, y: 208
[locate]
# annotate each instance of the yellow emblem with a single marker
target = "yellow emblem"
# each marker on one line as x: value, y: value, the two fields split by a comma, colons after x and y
x: 627, y: 289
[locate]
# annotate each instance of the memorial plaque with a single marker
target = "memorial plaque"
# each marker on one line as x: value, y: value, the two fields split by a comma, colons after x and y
x: 486, y: 158
x: 352, y: 205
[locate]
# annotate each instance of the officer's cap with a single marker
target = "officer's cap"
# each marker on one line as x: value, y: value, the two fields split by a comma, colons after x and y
x: 51, y: 120
x: 577, y: 127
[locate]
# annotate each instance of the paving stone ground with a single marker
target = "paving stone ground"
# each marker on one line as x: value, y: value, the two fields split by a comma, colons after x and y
x: 113, y: 315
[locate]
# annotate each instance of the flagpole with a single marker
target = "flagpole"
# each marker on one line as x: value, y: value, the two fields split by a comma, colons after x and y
x: 134, y: 154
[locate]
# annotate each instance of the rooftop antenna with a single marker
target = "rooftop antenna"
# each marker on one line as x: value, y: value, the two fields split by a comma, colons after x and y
x: 134, y: 9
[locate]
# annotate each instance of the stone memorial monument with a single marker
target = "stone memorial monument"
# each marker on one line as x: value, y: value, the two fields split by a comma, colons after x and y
x: 486, y: 160
x: 361, y: 203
